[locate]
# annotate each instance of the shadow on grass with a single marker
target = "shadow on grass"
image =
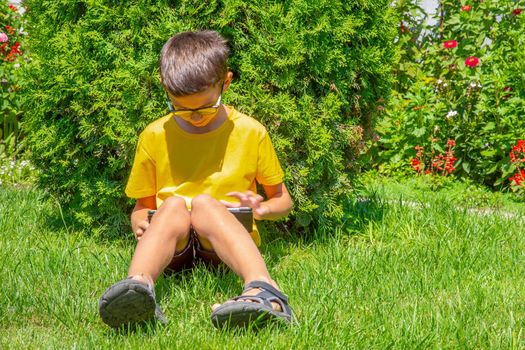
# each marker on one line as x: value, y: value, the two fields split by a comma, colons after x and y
x: 278, y: 241
x: 59, y: 217
x: 359, y: 212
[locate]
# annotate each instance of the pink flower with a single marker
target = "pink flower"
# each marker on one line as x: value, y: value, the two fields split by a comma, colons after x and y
x: 472, y: 62
x: 450, y: 44
x: 516, y: 12
x: 466, y: 8
x: 3, y: 37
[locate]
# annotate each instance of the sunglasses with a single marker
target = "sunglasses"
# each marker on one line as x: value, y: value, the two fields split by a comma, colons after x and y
x: 186, y: 113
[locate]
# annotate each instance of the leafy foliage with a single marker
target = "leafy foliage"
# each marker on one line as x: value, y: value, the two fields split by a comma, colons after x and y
x: 311, y: 71
x: 12, y: 38
x: 464, y: 81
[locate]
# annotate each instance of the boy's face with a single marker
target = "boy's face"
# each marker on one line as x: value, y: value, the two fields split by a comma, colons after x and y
x: 201, y: 108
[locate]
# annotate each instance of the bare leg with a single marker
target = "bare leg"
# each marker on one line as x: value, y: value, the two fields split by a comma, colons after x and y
x: 168, y: 232
x: 219, y: 230
x: 229, y: 239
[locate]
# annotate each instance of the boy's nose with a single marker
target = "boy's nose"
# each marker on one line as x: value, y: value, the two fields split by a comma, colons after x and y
x: 195, y: 116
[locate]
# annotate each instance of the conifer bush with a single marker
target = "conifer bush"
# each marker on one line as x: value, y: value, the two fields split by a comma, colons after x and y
x: 310, y: 71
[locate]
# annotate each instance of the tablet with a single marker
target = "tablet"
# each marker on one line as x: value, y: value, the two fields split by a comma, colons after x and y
x: 243, y: 214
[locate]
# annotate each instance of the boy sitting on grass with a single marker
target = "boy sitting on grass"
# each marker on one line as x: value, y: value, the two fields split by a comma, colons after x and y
x: 206, y: 157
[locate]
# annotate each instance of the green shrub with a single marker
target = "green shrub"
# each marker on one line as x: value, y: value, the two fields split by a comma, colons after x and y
x: 311, y: 71
x: 464, y: 82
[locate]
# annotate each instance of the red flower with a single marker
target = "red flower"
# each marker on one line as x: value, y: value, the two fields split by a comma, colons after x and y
x: 450, y: 44
x: 403, y: 28
x: 506, y: 89
x: 13, y: 7
x: 472, y: 62
x: 438, y: 162
x: 466, y: 8
x: 416, y: 164
x: 516, y: 12
x: 15, y: 50
x: 518, y: 178
x: 449, y: 163
x: 451, y: 142
x: 10, y: 30
x: 517, y: 154
x: 519, y: 146
x: 419, y: 150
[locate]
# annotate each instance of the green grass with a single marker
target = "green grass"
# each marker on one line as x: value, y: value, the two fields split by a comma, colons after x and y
x: 430, y: 277
x: 461, y: 193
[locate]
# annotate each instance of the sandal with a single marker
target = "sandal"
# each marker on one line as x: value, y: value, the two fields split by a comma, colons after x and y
x: 127, y: 302
x: 258, y: 311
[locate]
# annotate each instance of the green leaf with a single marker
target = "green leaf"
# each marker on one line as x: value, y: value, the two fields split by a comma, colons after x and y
x: 418, y: 132
x: 492, y: 169
x: 489, y: 126
x: 499, y: 181
x: 466, y: 167
x: 489, y: 153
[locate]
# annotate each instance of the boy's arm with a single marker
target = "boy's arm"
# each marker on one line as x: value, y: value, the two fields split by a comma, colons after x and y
x: 278, y: 204
x: 139, y: 215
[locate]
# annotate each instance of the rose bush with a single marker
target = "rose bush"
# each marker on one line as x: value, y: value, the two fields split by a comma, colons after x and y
x: 517, y: 165
x: 459, y: 79
x: 11, y: 57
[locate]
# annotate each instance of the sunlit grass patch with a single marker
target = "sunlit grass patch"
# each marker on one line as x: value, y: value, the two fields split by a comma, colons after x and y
x: 401, y: 277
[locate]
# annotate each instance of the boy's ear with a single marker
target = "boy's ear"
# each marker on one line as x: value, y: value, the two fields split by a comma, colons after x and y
x: 227, y: 81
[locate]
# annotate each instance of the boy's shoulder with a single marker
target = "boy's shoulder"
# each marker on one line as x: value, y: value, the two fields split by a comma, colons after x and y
x: 157, y: 126
x: 240, y: 121
x: 245, y: 121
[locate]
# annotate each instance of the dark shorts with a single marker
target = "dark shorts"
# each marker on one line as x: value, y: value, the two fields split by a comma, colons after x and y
x: 193, y: 252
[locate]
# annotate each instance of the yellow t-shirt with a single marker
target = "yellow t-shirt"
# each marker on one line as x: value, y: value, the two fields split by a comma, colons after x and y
x: 170, y: 161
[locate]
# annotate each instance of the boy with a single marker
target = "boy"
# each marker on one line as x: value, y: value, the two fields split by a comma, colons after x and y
x: 192, y: 165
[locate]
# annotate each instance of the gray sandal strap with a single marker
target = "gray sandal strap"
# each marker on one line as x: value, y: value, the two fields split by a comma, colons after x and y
x: 256, y: 309
x: 268, y: 295
x: 266, y: 287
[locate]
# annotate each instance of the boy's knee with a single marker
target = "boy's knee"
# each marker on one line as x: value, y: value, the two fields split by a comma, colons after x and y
x: 173, y: 203
x: 202, y: 202
x: 203, y: 214
x: 174, y: 213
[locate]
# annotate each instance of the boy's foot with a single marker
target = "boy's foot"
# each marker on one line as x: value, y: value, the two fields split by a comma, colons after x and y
x: 269, y: 304
x: 127, y: 302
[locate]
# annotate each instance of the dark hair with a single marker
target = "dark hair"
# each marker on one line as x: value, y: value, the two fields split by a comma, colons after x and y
x: 191, y: 62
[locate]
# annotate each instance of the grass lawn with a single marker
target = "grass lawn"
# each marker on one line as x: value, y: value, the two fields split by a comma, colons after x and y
x: 434, y: 276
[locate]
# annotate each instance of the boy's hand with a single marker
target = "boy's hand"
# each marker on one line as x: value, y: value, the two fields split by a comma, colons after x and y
x: 141, y: 227
x: 248, y: 199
